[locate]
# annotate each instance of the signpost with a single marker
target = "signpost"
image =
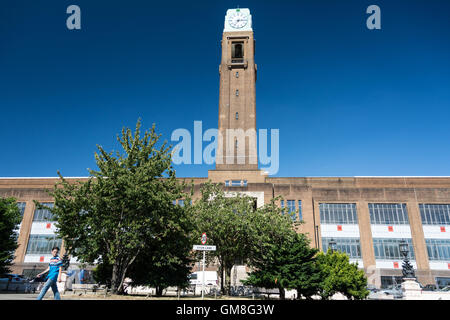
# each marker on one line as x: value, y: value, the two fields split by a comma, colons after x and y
x: 204, y: 238
x: 204, y: 248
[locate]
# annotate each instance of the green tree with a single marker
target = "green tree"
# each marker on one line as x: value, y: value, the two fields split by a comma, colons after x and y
x: 167, y: 261
x: 124, y: 206
x: 102, y: 273
x: 9, y: 220
x: 339, y: 275
x: 287, y: 264
x: 301, y: 271
x: 227, y: 220
x: 272, y: 229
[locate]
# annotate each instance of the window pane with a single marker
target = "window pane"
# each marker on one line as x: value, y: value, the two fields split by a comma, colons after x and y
x: 42, y: 244
x: 388, y: 213
x: 389, y: 248
x: 435, y: 214
x: 438, y: 249
x: 338, y: 213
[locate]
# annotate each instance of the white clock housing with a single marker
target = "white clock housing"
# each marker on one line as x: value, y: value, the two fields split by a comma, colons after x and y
x: 238, y: 19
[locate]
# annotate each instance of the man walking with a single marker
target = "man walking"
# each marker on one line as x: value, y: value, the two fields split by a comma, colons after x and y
x: 54, y: 275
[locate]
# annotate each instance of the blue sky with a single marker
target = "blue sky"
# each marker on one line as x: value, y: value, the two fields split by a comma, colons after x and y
x: 348, y: 101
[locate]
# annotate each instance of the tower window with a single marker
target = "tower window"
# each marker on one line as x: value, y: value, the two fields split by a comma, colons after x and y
x: 237, y: 74
x: 237, y: 92
x: 237, y: 50
x: 237, y: 117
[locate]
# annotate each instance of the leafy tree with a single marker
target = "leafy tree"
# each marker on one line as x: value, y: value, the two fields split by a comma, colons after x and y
x: 339, y: 275
x: 239, y: 231
x: 301, y: 271
x: 9, y: 220
x: 227, y: 220
x: 124, y: 206
x: 102, y: 273
x: 166, y: 261
x: 287, y: 264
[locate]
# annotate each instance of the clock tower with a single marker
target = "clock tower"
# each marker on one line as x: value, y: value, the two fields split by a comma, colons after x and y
x: 236, y: 156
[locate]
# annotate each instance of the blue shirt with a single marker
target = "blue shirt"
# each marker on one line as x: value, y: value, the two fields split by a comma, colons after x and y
x: 54, y: 265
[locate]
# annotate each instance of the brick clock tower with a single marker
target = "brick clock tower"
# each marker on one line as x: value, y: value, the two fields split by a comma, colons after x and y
x: 236, y: 157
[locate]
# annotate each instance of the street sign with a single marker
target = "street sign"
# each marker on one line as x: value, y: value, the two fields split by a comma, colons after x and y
x: 204, y: 238
x: 204, y: 248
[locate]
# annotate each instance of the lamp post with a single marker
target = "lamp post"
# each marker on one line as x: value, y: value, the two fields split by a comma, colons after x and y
x: 407, y: 268
x: 332, y: 245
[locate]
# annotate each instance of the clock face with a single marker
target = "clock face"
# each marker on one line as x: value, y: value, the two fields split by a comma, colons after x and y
x: 238, y: 20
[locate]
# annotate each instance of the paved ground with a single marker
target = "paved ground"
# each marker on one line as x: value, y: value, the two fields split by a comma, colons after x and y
x: 18, y: 296
x: 49, y: 296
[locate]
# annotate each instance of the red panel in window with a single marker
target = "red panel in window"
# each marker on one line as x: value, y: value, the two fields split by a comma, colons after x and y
x: 41, y: 259
x: 442, y: 229
x: 49, y: 225
x: 396, y: 265
x: 448, y: 265
x: 339, y: 228
x: 390, y: 228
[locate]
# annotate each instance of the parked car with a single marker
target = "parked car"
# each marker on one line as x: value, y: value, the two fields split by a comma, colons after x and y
x: 12, y: 282
x: 446, y: 289
x: 372, y: 288
x: 395, y: 290
x: 429, y: 287
x: 12, y: 278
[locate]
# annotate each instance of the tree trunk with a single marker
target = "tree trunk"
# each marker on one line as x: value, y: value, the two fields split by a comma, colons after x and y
x: 122, y: 279
x: 159, y: 291
x: 222, y: 280
x: 282, y: 293
x: 228, y: 279
x: 119, y: 272
x: 114, y: 279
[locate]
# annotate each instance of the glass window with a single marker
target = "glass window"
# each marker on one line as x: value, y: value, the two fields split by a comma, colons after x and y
x: 338, y: 213
x: 435, y: 214
x: 42, y: 244
x: 438, y: 249
x: 291, y: 208
x: 21, y: 206
x: 300, y: 215
x: 32, y: 273
x: 389, y: 281
x: 237, y: 50
x: 350, y: 246
x: 442, y: 281
x: 389, y: 249
x: 41, y: 215
x: 236, y: 183
x: 388, y: 213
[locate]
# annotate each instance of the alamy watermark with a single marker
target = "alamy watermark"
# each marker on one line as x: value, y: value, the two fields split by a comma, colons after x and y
x: 73, y: 22
x: 228, y: 146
